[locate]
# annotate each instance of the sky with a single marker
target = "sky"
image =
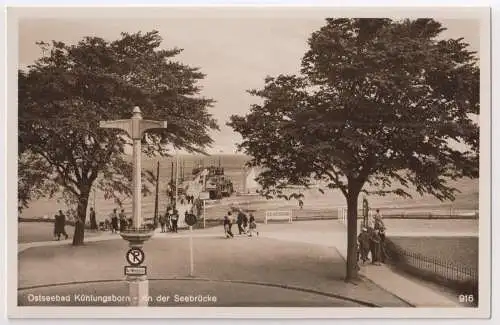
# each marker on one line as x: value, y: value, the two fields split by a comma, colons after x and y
x: 236, y: 54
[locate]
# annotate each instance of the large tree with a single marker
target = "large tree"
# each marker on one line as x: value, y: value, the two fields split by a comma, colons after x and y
x: 64, y: 95
x: 379, y: 107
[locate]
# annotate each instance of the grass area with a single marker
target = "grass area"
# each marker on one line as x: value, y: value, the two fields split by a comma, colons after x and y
x: 455, y: 250
x: 451, y: 262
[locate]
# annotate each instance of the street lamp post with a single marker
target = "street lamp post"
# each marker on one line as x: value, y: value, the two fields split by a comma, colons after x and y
x: 137, y: 235
x: 176, y: 179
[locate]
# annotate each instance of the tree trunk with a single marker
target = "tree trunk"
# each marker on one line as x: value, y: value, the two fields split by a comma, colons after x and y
x: 352, y: 237
x: 79, y: 234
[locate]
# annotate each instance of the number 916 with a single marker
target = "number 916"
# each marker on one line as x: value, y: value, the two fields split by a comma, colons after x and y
x: 466, y: 298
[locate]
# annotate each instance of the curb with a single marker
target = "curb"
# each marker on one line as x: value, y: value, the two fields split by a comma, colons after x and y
x: 364, y: 277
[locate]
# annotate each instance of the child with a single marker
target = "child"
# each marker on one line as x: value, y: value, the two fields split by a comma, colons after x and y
x: 163, y: 222
x: 252, y: 226
x: 364, y: 244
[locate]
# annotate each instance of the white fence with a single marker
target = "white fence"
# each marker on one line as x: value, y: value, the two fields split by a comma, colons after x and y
x: 279, y: 215
x: 342, y: 215
x: 413, y: 213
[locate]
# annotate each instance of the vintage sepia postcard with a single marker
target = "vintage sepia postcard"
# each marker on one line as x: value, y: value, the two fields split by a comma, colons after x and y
x: 249, y: 162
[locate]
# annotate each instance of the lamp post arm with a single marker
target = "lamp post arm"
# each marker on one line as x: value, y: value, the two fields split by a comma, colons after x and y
x: 125, y: 125
x: 149, y: 125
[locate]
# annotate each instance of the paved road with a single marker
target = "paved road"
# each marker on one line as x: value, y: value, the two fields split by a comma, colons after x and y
x: 313, y: 268
x: 307, y: 255
x: 184, y: 293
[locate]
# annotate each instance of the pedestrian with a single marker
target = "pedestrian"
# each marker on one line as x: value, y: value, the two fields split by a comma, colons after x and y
x: 227, y: 226
x: 93, y: 221
x: 364, y: 244
x: 60, y: 224
x: 174, y: 218
x: 114, y: 221
x: 56, y: 226
x: 168, y: 220
x: 163, y: 222
x: 252, y: 227
x: 378, y: 222
x: 375, y: 249
x: 383, y: 252
x: 239, y: 221
x: 107, y: 224
x: 123, y: 221
x: 245, y: 223
x: 301, y: 203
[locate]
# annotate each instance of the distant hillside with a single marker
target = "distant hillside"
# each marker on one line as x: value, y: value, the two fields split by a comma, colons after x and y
x: 468, y: 199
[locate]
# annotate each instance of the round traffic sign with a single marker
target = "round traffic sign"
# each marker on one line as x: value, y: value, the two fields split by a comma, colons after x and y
x: 190, y: 219
x: 135, y: 256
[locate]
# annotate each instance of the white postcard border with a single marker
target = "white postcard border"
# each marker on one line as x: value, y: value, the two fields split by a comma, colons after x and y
x: 483, y: 311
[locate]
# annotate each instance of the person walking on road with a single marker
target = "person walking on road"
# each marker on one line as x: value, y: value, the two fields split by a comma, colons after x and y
x: 174, y: 218
x: 239, y: 221
x: 123, y: 221
x: 163, y: 222
x: 245, y: 223
x: 59, y: 226
x: 227, y: 226
x: 252, y: 226
x: 93, y: 221
x: 114, y: 221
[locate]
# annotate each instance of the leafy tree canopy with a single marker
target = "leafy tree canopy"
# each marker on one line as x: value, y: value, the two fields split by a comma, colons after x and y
x: 64, y: 95
x: 377, y: 107
x: 378, y: 101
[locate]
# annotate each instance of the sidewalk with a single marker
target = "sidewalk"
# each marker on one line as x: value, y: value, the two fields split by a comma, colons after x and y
x: 407, y: 289
x: 109, y: 236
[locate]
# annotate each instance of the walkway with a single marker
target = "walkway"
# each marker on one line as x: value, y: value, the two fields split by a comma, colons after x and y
x: 411, y: 290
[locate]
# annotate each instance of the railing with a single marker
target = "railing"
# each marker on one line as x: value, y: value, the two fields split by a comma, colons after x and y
x: 278, y: 215
x: 401, y: 213
x: 458, y: 277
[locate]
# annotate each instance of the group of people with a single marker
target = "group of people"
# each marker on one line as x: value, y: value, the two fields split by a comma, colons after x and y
x: 371, y: 241
x: 246, y: 224
x: 116, y: 222
x: 188, y: 198
x: 169, y: 220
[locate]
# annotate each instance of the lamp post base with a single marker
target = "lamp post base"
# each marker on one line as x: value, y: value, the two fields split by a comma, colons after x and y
x: 137, y: 237
x: 138, y: 287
